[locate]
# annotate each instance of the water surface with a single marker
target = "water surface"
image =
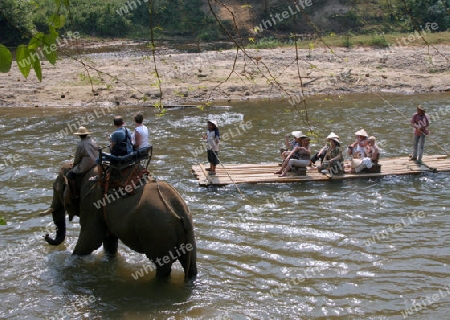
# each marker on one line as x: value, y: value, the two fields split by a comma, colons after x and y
x: 317, y: 250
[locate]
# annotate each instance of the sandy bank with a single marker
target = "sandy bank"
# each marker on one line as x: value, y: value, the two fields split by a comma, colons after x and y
x: 195, y: 78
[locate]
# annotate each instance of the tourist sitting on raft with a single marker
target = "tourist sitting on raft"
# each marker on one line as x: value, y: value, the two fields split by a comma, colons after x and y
x: 298, y: 157
x: 356, y: 149
x: 333, y: 162
x: 370, y: 158
x: 320, y: 154
x: 290, y: 145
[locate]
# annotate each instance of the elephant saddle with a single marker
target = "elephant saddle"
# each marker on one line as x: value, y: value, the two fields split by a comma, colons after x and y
x: 126, y: 180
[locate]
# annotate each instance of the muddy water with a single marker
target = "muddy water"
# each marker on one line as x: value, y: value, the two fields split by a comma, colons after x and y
x: 367, y: 249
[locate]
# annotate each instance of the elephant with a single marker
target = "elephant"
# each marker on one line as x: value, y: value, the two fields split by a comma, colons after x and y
x: 153, y: 219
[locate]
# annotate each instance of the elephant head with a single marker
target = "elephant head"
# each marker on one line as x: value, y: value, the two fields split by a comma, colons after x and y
x: 59, y: 206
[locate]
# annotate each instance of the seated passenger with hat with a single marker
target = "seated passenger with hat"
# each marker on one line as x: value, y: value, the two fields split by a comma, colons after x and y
x: 333, y: 160
x: 299, y: 156
x: 370, y: 159
x: 290, y: 145
x: 356, y: 149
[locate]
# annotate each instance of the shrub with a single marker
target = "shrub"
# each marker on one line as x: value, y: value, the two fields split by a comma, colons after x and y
x: 378, y: 41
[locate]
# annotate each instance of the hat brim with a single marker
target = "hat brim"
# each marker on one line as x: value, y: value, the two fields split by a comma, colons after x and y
x: 335, y: 140
x: 361, y: 133
x: 298, y: 134
x: 82, y: 133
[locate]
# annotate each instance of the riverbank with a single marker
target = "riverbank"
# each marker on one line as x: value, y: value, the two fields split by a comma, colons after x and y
x: 126, y: 77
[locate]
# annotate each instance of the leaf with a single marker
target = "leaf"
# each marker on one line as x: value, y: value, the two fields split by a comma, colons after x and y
x: 23, y: 59
x: 52, y: 31
x: 49, y: 42
x: 57, y: 21
x: 66, y: 3
x: 62, y: 21
x: 36, y: 41
x: 2, y: 221
x: 5, y: 59
x: 37, y: 66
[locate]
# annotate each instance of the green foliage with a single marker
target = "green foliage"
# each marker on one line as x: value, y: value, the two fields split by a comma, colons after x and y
x: 349, y: 20
x: 5, y: 59
x: 2, y: 221
x: 23, y: 58
x: 27, y: 54
x: 96, y: 18
x: 119, y: 18
x: 346, y: 40
x: 432, y: 11
x: 265, y: 43
x: 378, y: 40
x: 208, y: 35
x: 15, y: 21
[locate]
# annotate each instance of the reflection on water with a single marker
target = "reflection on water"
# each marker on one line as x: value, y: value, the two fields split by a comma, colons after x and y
x: 288, y: 251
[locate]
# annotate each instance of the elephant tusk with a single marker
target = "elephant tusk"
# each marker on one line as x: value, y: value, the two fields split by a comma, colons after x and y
x: 46, y: 212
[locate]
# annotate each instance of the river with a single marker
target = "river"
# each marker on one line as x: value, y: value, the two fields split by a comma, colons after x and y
x: 316, y: 250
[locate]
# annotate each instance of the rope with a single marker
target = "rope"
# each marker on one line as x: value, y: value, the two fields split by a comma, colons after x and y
x: 229, y: 176
x: 432, y: 140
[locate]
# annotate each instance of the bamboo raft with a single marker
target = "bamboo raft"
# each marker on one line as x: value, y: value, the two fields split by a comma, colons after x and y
x: 264, y: 172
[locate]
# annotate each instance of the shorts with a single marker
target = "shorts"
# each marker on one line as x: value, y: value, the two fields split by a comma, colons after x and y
x: 212, y: 157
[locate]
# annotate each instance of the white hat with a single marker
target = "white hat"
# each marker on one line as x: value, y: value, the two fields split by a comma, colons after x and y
x: 82, y: 131
x: 298, y: 134
x: 214, y: 122
x: 334, y: 137
x: 361, y: 132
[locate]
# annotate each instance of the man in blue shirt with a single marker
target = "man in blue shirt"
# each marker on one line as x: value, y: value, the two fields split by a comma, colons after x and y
x: 120, y: 139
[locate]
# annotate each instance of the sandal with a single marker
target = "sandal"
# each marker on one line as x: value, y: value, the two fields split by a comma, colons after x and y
x: 278, y: 172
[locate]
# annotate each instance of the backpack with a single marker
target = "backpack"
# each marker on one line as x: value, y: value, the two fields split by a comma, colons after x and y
x: 120, y: 149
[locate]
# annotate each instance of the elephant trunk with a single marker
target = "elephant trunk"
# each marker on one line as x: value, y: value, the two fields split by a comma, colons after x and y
x: 58, y: 212
x: 60, y: 234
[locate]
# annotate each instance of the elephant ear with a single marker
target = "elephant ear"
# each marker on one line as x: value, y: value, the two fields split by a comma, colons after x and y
x: 72, y: 207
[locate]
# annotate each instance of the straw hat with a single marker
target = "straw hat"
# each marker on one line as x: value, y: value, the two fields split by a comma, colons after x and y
x: 361, y: 132
x: 372, y: 138
x: 355, y: 163
x: 82, y: 131
x: 334, y: 137
x: 420, y: 107
x: 298, y: 134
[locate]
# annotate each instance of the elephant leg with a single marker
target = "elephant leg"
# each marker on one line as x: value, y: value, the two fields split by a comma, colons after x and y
x: 110, y: 244
x: 164, y: 270
x: 189, y: 264
x: 87, y: 242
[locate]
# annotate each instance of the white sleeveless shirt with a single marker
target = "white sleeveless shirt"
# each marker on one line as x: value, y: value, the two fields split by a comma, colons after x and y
x: 143, y: 132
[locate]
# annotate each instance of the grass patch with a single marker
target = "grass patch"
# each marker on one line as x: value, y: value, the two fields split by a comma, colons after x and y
x: 266, y: 43
x: 377, y: 41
